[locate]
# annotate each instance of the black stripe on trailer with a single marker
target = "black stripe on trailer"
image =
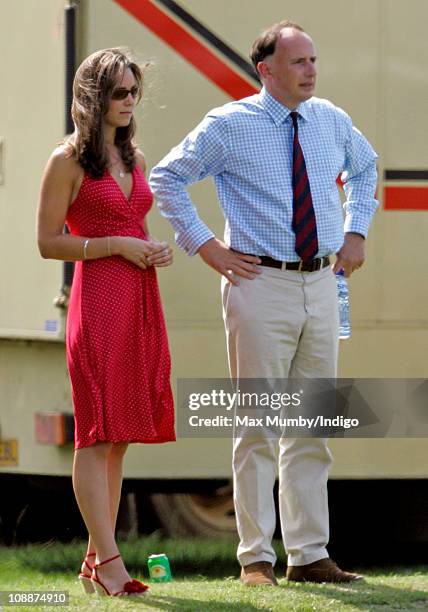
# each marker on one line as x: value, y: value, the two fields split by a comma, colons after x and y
x: 212, y: 38
x: 406, y: 175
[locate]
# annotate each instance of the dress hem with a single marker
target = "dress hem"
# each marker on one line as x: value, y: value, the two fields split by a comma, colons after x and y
x: 139, y: 441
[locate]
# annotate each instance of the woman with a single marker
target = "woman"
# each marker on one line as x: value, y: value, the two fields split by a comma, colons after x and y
x: 117, y: 349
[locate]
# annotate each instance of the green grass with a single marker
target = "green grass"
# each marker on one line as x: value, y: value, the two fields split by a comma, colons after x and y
x: 197, y: 585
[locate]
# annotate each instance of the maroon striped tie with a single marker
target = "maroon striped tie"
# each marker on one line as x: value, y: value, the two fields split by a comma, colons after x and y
x: 304, y: 222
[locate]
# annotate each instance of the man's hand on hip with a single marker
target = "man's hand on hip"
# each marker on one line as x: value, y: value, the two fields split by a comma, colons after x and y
x: 351, y: 255
x: 229, y: 263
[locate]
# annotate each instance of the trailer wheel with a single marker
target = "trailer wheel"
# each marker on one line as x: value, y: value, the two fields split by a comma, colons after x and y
x: 209, y: 514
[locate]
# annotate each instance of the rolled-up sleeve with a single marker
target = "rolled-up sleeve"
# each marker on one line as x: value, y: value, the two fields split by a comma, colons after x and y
x: 202, y: 153
x: 359, y: 181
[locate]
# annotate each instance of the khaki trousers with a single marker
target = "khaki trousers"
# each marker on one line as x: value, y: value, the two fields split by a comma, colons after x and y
x: 282, y: 324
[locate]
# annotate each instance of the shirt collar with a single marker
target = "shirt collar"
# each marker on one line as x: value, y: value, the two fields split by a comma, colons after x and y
x: 278, y: 111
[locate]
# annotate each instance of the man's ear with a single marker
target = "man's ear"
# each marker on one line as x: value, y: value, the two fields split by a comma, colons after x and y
x: 263, y: 69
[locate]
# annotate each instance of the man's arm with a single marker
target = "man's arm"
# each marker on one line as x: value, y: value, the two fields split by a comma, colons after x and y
x: 359, y: 182
x: 201, y: 154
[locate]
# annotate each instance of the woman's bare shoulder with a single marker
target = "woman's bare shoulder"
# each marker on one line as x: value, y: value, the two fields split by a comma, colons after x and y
x: 63, y: 161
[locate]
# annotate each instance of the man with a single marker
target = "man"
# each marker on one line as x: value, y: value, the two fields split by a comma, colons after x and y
x: 275, y: 157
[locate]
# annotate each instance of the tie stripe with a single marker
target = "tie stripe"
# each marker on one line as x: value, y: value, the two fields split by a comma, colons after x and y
x: 304, y: 221
x: 301, y: 191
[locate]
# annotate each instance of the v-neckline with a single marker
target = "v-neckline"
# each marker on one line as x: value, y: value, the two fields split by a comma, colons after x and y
x: 131, y: 193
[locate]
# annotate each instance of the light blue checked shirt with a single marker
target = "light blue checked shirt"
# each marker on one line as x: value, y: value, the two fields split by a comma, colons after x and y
x: 247, y: 146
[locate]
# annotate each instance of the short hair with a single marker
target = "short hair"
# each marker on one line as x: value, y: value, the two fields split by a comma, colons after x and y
x: 265, y: 43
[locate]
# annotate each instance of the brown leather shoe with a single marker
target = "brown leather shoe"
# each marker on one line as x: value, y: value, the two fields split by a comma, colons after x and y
x: 259, y: 573
x: 324, y: 570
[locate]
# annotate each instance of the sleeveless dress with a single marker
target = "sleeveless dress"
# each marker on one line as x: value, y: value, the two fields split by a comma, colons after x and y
x: 117, y: 347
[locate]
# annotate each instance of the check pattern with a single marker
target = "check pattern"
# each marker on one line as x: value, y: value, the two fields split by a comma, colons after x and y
x: 247, y: 147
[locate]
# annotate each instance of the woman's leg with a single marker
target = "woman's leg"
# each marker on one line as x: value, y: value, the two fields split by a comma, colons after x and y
x: 114, y: 475
x: 91, y: 487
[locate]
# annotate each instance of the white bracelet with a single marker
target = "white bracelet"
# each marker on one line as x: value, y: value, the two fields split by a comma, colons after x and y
x: 85, y: 246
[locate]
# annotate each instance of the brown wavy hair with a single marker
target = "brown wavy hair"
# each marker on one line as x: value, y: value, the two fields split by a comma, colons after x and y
x: 94, y: 82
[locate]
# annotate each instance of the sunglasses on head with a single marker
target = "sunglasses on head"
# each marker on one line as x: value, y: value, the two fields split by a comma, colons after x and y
x: 120, y: 93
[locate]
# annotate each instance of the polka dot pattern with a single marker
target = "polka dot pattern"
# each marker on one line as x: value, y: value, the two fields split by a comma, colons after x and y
x: 117, y: 346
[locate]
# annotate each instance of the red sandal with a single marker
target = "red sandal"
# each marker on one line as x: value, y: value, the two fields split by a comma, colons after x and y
x: 132, y: 587
x: 85, y: 579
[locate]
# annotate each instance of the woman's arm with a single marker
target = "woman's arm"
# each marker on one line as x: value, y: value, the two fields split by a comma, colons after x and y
x: 60, y: 177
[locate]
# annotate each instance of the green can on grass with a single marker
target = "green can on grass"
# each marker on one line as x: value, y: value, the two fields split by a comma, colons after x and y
x: 159, y: 570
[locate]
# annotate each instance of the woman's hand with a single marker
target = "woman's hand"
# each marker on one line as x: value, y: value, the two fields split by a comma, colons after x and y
x: 136, y: 250
x: 160, y: 258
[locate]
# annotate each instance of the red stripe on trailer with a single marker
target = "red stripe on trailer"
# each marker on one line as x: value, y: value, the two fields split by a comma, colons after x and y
x: 405, y: 198
x: 188, y: 47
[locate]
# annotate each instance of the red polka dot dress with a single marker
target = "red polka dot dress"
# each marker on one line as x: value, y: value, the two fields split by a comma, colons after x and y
x: 117, y: 347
